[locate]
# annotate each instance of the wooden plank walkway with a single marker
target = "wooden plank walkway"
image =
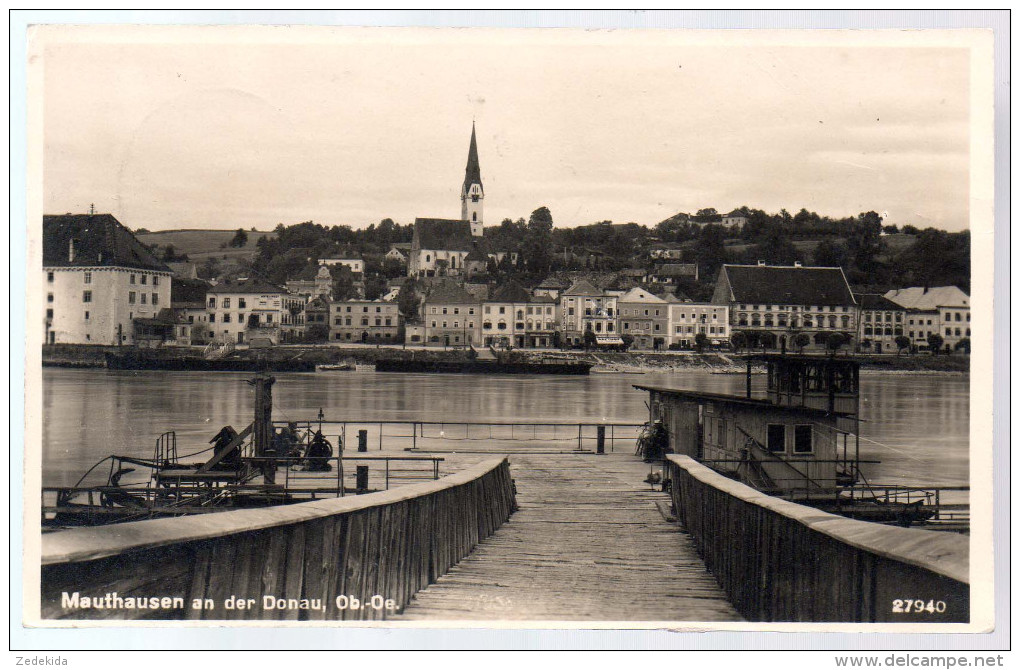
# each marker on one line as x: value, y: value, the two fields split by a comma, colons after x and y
x: 588, y: 543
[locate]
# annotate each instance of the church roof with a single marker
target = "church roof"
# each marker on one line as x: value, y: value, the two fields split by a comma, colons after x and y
x: 446, y: 234
x: 473, y: 172
x: 100, y: 240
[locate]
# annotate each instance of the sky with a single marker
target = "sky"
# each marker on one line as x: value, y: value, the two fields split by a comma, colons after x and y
x: 203, y: 128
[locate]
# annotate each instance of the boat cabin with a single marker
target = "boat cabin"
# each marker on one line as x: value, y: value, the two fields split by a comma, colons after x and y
x: 792, y: 451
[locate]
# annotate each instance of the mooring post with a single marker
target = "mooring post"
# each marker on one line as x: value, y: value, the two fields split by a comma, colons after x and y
x: 748, y: 377
x: 363, y: 440
x: 263, y: 437
x: 600, y: 443
x: 361, y: 479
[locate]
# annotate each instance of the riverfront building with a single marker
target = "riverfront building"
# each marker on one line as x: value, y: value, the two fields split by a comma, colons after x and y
x: 102, y: 285
x: 452, y: 316
x: 687, y: 319
x: 243, y: 312
x: 584, y: 307
x: 645, y: 317
x: 778, y: 303
x: 944, y: 310
x: 364, y: 321
x: 881, y: 322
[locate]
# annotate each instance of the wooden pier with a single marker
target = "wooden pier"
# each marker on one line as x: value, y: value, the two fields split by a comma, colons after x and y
x: 589, y: 542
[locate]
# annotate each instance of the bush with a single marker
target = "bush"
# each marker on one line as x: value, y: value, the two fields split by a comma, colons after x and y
x: 963, y: 345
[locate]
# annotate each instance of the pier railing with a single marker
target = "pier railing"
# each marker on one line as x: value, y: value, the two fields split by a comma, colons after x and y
x: 463, y: 436
x: 780, y: 561
x: 359, y: 557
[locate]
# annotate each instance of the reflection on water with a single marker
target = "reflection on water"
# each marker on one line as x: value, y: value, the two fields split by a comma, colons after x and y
x: 917, y: 425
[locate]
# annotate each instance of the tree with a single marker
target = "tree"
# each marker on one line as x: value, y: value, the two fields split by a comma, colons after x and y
x: 170, y: 255
x: 317, y: 332
x: 589, y: 339
x: 375, y: 287
x: 557, y: 339
x: 710, y: 249
x: 700, y: 340
x: 902, y: 342
x: 627, y: 340
x: 865, y: 242
x: 835, y: 341
x: 540, y: 222
x: 240, y: 238
x: 830, y: 254
x: 408, y: 299
x: 738, y: 340
x: 935, y: 342
x: 343, y: 282
x: 801, y: 340
x: 963, y: 345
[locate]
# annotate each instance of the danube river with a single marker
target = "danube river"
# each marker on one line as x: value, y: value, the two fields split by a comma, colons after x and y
x: 916, y: 424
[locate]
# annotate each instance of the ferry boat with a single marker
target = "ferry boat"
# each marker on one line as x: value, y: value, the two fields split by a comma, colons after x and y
x: 801, y: 442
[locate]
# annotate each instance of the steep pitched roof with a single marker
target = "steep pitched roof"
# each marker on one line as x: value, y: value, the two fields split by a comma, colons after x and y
x: 451, y: 293
x: 582, y: 287
x: 736, y: 212
x: 552, y: 282
x: 446, y: 234
x: 100, y: 240
x: 188, y: 292
x: 476, y: 255
x: 510, y: 292
x: 642, y: 296
x: 926, y: 299
x: 874, y: 301
x: 770, y: 284
x: 252, y: 285
x: 473, y: 172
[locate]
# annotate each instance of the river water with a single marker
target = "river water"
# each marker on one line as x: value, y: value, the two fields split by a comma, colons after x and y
x: 916, y: 424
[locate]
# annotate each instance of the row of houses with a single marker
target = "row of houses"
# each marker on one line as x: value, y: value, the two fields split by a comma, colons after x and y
x: 104, y: 287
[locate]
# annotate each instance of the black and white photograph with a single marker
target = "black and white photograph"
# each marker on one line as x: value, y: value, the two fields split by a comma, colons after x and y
x: 481, y: 327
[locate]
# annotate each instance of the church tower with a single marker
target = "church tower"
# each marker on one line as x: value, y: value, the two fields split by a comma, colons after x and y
x: 471, y: 193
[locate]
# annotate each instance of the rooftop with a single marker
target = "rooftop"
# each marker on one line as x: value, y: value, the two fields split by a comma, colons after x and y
x: 794, y: 285
x: 98, y: 240
x: 926, y: 299
x: 447, y: 234
x: 248, y: 286
x: 739, y: 400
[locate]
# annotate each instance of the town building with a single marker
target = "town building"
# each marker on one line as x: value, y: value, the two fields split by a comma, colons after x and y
x: 292, y: 317
x: 584, y: 307
x: 399, y: 252
x: 688, y: 319
x: 645, y: 317
x: 944, y: 310
x: 350, y: 259
x: 191, y: 317
x: 772, y: 305
x: 541, y: 322
x: 503, y: 317
x: 183, y: 269
x: 364, y: 321
x: 317, y: 319
x: 102, y: 285
x: 245, y: 312
x: 452, y: 316
x: 735, y: 218
x: 309, y: 288
x: 671, y: 274
x: 550, y: 287
x: 879, y: 323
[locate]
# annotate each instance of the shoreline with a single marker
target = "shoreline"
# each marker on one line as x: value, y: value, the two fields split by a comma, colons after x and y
x: 632, y: 362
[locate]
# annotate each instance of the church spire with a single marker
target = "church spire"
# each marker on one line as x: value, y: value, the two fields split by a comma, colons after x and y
x: 473, y: 172
x: 471, y: 193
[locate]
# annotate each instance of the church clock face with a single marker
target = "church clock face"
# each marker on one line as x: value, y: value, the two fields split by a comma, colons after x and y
x: 476, y: 193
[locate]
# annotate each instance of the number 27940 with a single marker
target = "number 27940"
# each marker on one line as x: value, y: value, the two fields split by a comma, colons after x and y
x: 918, y: 606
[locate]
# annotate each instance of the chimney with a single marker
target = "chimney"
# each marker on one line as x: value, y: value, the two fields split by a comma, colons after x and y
x: 797, y: 264
x: 70, y: 250
x: 761, y: 264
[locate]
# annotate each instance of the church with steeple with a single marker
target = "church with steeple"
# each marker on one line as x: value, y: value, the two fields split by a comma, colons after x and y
x: 455, y: 247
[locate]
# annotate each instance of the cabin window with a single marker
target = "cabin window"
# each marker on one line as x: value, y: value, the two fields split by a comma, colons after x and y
x: 802, y: 439
x: 776, y: 438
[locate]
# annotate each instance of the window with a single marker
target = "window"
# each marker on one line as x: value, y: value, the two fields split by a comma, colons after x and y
x: 155, y: 280
x: 776, y: 438
x: 347, y: 321
x: 49, y: 314
x: 144, y: 278
x: 142, y: 297
x: 212, y: 319
x: 88, y: 279
x: 269, y: 318
x: 155, y: 298
x: 131, y: 279
x: 49, y: 297
x: 212, y: 303
x: 364, y: 321
x: 389, y: 321
x: 241, y: 303
x: 49, y: 277
x: 226, y: 317
x: 226, y: 303
x: 86, y: 296
x: 378, y: 321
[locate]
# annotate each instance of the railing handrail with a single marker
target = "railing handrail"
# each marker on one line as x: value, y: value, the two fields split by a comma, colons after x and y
x: 85, y: 544
x: 316, y: 420
x: 939, y: 552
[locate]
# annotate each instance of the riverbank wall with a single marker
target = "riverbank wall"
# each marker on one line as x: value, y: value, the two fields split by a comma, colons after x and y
x: 92, y: 356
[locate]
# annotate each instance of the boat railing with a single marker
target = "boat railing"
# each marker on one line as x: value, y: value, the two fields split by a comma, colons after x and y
x: 166, y: 448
